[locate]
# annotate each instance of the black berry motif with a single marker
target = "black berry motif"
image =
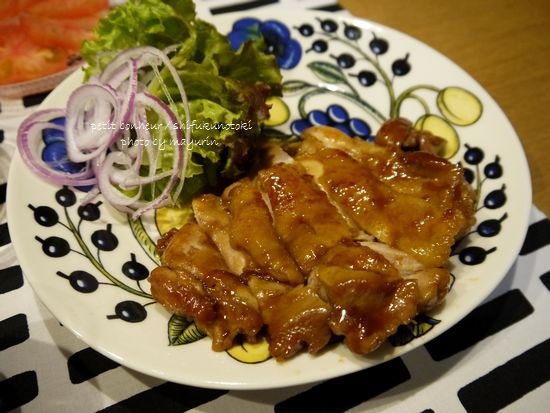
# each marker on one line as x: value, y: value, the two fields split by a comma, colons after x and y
x: 319, y: 46
x: 81, y: 281
x: 378, y: 46
x: 477, y: 175
x: 89, y: 212
x: 493, y: 170
x: 352, y: 32
x: 134, y: 269
x: 401, y: 66
x: 65, y: 197
x: 366, y: 77
x: 306, y: 30
x: 496, y: 198
x: 355, y: 66
x: 101, y: 241
x: 473, y: 156
x: 45, y: 216
x: 345, y: 60
x: 130, y: 311
x: 328, y: 25
x: 490, y: 227
x: 104, y: 239
x: 474, y: 255
x: 54, y: 246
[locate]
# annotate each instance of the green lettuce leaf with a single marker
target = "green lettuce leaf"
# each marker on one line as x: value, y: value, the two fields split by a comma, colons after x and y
x: 226, y: 90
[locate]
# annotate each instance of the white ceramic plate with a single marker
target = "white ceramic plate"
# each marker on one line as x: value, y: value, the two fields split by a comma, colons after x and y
x: 86, y: 288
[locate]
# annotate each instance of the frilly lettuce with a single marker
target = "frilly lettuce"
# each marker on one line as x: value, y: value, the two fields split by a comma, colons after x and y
x: 223, y: 87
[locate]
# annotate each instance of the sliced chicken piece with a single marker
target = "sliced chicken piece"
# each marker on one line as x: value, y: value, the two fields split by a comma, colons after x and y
x: 303, y: 216
x: 190, y: 249
x: 237, y: 311
x: 433, y: 283
x: 413, y: 202
x: 358, y: 256
x: 369, y: 298
x: 433, y: 286
x: 193, y: 281
x: 295, y: 321
x: 366, y: 306
x: 400, y: 133
x: 252, y: 231
x: 264, y: 289
x: 317, y: 138
x: 187, y: 253
x: 182, y: 294
x: 215, y: 220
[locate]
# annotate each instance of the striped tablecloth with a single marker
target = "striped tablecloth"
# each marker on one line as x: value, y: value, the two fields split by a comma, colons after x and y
x: 496, y: 359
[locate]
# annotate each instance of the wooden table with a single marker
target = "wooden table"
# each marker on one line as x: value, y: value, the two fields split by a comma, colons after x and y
x: 503, y: 44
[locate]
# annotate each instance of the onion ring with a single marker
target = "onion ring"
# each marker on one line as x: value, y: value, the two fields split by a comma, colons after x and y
x: 102, y: 117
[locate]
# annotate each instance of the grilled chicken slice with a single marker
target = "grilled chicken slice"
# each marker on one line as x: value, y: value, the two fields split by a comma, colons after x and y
x: 190, y: 249
x: 221, y: 305
x: 182, y: 294
x: 215, y: 220
x: 416, y: 202
x: 187, y: 253
x: 194, y: 281
x: 368, y: 297
x: 237, y: 311
x: 400, y: 133
x: 366, y: 306
x: 358, y: 256
x: 303, y: 217
x: 264, y: 289
x: 252, y: 230
x: 433, y: 282
x: 296, y: 320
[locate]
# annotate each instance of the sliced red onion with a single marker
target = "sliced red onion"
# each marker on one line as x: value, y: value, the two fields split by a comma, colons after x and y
x: 97, y: 116
x: 30, y: 144
x: 91, y: 111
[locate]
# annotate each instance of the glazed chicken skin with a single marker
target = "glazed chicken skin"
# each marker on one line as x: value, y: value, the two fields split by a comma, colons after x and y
x: 416, y: 202
x: 193, y: 281
x: 338, y: 239
x: 303, y: 216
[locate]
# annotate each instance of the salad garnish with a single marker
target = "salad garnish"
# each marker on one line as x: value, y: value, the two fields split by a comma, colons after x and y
x: 167, y: 109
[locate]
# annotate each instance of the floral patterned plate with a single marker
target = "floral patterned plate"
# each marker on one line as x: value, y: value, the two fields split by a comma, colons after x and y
x: 89, y: 265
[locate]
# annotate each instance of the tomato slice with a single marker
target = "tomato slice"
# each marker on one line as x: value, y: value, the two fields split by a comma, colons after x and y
x: 21, y: 60
x: 63, y: 9
x: 56, y: 32
x: 37, y: 37
x: 8, y: 9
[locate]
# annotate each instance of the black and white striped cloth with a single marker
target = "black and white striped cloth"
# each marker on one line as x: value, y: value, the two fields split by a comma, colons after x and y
x: 496, y: 359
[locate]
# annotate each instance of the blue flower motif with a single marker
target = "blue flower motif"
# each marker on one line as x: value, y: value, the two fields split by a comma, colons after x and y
x: 55, y: 151
x: 276, y: 35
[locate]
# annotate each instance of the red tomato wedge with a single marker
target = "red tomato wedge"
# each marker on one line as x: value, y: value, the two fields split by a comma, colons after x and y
x: 55, y: 32
x: 37, y: 37
x: 22, y: 60
x: 63, y: 9
x: 8, y: 9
